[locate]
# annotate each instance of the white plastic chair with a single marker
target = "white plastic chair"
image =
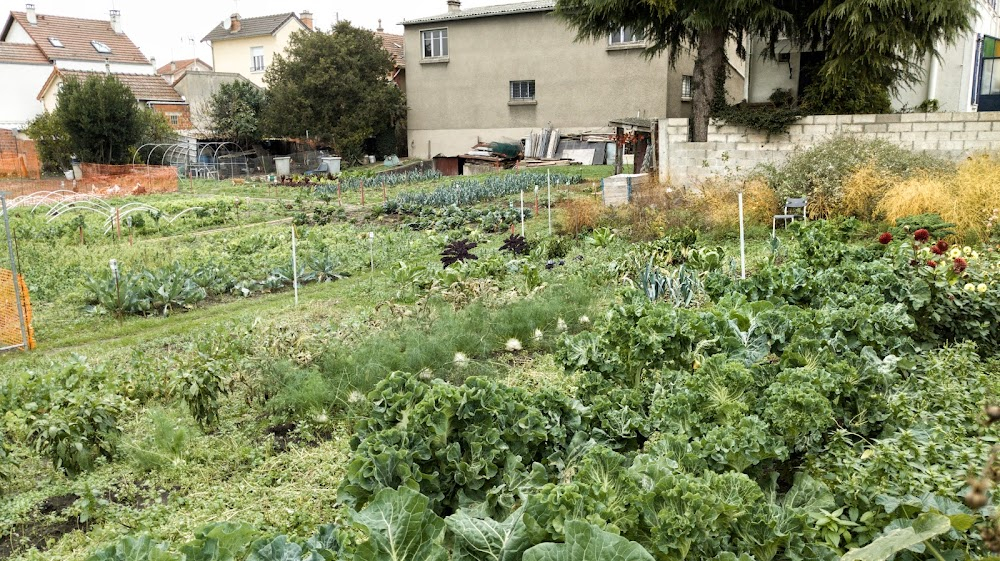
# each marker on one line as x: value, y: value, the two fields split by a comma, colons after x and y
x: 787, y: 217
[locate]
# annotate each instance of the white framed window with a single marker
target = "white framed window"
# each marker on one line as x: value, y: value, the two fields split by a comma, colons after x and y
x: 687, y: 88
x: 435, y: 43
x: 56, y: 42
x: 256, y: 59
x: 624, y: 36
x: 522, y: 90
x: 101, y: 47
x: 175, y: 119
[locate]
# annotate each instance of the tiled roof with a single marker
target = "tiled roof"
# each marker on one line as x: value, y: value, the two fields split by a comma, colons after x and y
x: 393, y: 44
x: 144, y: 87
x: 76, y: 35
x: 22, y: 54
x: 251, y: 27
x: 180, y: 65
x: 490, y: 11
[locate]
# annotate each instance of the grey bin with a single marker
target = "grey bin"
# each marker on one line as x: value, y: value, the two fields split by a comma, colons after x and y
x: 283, y: 165
x: 332, y: 164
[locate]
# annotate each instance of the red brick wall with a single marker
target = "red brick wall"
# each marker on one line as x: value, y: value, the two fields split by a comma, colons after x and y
x: 181, y: 113
x: 18, y: 158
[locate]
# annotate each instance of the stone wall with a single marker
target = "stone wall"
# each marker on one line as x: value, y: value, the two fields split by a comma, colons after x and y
x: 733, y: 149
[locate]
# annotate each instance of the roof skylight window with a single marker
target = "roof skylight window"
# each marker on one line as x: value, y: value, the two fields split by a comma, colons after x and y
x: 56, y: 42
x: 101, y: 47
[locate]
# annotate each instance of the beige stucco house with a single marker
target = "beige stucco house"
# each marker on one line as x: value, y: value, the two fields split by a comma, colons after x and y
x: 499, y: 72
x: 246, y: 46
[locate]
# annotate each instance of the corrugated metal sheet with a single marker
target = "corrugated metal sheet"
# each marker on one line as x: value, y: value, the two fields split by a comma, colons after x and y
x: 489, y: 11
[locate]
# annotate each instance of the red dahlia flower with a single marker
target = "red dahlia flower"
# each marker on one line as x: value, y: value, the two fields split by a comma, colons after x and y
x: 921, y: 235
x: 932, y: 263
x: 960, y: 265
x: 885, y: 238
x: 936, y: 250
x: 942, y: 245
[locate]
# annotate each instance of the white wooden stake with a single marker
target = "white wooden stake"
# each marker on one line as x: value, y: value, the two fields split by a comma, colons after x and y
x: 295, y: 268
x: 743, y: 241
x: 522, y: 213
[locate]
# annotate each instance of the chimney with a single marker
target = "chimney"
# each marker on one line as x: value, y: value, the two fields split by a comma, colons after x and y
x: 234, y: 23
x: 454, y: 6
x: 32, y: 18
x: 116, y: 21
x: 307, y: 18
x: 380, y: 30
x: 173, y: 67
x: 152, y: 62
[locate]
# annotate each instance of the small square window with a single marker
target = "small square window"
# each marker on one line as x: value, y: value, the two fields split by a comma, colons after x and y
x: 522, y: 90
x: 687, y: 88
x: 101, y: 47
x: 56, y: 42
x: 175, y: 119
x: 624, y: 36
x: 435, y: 43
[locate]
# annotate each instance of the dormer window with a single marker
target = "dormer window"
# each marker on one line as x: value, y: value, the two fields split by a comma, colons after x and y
x: 101, y: 47
x: 56, y: 42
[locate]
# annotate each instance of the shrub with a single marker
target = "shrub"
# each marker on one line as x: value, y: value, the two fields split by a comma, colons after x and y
x: 864, y: 189
x: 581, y: 216
x: 717, y: 200
x: 819, y: 172
x: 968, y: 198
x: 200, y: 381
x: 73, y: 419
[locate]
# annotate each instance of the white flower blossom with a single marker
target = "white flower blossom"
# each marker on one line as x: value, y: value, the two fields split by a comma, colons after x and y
x: 513, y: 345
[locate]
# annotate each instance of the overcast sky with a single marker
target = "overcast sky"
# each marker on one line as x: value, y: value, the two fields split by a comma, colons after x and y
x: 173, y: 29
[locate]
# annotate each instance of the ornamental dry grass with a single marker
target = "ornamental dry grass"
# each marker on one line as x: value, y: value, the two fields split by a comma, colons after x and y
x: 863, y: 191
x: 968, y: 199
x: 718, y: 201
x: 580, y: 215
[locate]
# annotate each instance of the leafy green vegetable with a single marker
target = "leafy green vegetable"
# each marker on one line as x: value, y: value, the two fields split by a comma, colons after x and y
x: 585, y: 542
x: 141, y: 548
x: 483, y: 539
x: 927, y: 526
x: 401, y: 528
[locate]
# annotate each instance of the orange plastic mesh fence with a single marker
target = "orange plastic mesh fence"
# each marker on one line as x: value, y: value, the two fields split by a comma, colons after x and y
x: 102, y: 180
x: 130, y: 179
x: 20, y: 165
x: 10, y: 321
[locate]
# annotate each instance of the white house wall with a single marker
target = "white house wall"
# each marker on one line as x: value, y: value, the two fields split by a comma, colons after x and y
x: 769, y: 75
x: 17, y: 34
x: 18, y: 96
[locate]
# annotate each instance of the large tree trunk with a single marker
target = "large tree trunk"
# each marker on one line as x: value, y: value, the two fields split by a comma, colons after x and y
x: 709, y: 74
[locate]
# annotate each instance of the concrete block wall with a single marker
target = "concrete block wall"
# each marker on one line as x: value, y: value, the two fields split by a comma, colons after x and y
x: 734, y: 150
